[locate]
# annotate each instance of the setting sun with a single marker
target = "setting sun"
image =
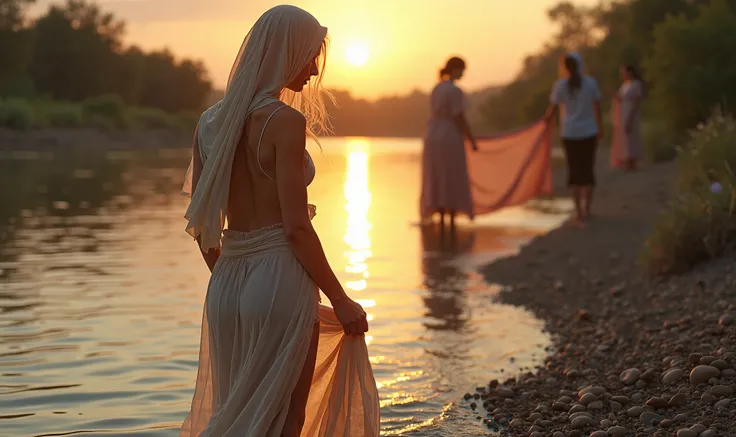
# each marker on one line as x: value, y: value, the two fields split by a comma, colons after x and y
x: 357, y: 54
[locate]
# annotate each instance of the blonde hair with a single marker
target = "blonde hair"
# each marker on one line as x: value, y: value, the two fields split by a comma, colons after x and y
x: 311, y: 100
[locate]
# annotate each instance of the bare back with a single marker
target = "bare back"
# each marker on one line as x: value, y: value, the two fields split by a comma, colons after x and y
x: 253, y: 200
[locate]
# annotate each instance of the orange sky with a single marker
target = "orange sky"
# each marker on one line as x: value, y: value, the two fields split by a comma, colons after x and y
x: 409, y: 40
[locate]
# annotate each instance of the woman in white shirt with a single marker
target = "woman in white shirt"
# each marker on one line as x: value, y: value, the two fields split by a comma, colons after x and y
x: 581, y: 129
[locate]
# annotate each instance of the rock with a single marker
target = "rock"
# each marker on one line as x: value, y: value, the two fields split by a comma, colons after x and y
x: 535, y: 416
x: 581, y: 422
x: 726, y: 320
x: 721, y: 391
x: 682, y: 417
x: 605, y: 423
x: 685, y: 432
x: 634, y: 411
x: 558, y: 434
x: 706, y: 360
x: 630, y: 376
x: 618, y: 431
x: 640, y: 384
x: 536, y: 434
x: 723, y: 403
x: 709, y: 433
x: 587, y: 398
x: 599, y: 434
x: 565, y: 400
x: 677, y: 400
x: 615, y: 406
x: 623, y: 400
x: 720, y: 364
x: 657, y: 403
x: 650, y: 419
x: 694, y: 358
x: 702, y: 373
x: 595, y: 405
x: 505, y: 392
x: 708, y: 399
x: 517, y: 423
x: 559, y: 406
x: 673, y: 376
x: 698, y: 428
x: 728, y: 373
x: 576, y: 409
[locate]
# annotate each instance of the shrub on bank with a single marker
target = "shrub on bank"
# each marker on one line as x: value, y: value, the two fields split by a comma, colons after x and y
x: 106, y: 112
x: 700, y: 224
x: 148, y: 118
x: 16, y: 114
x: 60, y: 114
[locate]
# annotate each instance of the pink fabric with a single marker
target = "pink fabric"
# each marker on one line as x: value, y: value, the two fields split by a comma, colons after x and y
x: 511, y: 168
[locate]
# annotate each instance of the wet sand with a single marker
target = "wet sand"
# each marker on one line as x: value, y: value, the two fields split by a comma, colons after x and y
x: 633, y: 356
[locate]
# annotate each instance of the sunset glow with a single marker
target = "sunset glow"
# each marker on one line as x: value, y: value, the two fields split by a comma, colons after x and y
x: 414, y: 38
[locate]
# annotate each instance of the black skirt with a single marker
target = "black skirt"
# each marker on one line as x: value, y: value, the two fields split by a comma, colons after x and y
x: 580, y: 154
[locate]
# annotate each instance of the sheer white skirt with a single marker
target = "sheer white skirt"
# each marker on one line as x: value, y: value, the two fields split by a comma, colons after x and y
x: 256, y: 331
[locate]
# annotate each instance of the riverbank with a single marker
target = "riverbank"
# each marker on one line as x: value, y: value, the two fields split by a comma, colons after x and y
x: 633, y: 356
x: 45, y: 139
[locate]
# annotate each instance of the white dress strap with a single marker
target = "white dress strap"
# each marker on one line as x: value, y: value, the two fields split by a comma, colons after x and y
x: 263, y: 131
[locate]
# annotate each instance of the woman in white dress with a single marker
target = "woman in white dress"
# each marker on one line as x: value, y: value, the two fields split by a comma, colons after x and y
x: 273, y: 362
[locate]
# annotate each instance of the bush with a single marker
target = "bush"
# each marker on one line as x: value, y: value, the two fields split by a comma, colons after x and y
x: 62, y: 115
x: 147, y: 118
x: 700, y: 224
x: 16, y: 114
x: 106, y: 112
x: 660, y: 141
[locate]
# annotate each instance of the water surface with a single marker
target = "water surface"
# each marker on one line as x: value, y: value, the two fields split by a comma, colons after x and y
x: 102, y: 290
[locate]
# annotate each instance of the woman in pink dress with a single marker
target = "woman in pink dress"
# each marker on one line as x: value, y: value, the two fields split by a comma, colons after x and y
x: 445, y: 182
x: 627, y: 147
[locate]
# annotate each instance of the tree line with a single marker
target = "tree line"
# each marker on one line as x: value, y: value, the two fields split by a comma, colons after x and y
x: 75, y: 51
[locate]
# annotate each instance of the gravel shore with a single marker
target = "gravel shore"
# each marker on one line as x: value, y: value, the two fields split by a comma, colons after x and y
x: 632, y: 356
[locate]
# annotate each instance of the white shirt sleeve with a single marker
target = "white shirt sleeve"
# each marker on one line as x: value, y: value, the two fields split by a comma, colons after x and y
x: 556, y: 95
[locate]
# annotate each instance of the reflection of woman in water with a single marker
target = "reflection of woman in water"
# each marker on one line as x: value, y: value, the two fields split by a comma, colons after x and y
x: 579, y: 97
x: 627, y: 149
x: 445, y: 183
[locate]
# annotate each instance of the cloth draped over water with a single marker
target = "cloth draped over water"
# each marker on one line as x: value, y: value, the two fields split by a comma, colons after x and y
x: 511, y: 168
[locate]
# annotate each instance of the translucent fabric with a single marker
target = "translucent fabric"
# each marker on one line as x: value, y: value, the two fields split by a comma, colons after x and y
x: 259, y: 312
x: 511, y: 168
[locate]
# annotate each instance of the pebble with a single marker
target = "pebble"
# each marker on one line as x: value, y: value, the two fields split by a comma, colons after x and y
x: 634, y: 411
x: 706, y: 360
x: 723, y: 403
x: 721, y: 391
x: 684, y: 432
x: 698, y: 428
x: 587, y: 398
x: 694, y: 358
x: 682, y: 417
x: 595, y: 405
x: 630, y: 376
x: 657, y: 403
x: 581, y: 422
x: 726, y: 320
x: 536, y: 434
x: 558, y: 434
x: 702, y: 374
x: 708, y: 399
x: 720, y: 364
x: 599, y: 434
x: 649, y: 419
x: 678, y: 400
x: 505, y: 392
x: 709, y: 433
x: 576, y: 409
x: 615, y: 406
x: 605, y: 423
x: 728, y: 373
x: 618, y: 431
x: 673, y: 376
x: 623, y: 400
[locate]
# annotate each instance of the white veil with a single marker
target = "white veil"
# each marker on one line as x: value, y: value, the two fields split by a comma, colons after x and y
x: 280, y: 44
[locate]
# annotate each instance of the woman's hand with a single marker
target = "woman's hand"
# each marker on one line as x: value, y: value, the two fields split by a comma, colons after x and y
x: 351, y: 315
x: 474, y: 144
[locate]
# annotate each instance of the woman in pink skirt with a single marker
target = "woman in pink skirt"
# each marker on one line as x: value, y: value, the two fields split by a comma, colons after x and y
x: 445, y: 183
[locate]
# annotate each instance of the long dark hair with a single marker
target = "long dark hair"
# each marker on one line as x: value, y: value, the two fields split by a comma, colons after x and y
x: 575, y: 81
x: 453, y: 63
x: 634, y: 72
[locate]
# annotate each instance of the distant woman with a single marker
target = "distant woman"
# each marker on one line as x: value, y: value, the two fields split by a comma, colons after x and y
x: 627, y: 147
x: 445, y: 183
x: 581, y: 129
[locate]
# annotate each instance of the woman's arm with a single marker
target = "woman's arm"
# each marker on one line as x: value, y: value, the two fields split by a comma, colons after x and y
x: 289, y: 127
x: 462, y: 123
x: 550, y: 113
x: 210, y: 256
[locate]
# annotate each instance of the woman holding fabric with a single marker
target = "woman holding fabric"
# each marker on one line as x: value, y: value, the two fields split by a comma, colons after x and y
x: 445, y: 182
x: 579, y: 98
x: 273, y: 362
